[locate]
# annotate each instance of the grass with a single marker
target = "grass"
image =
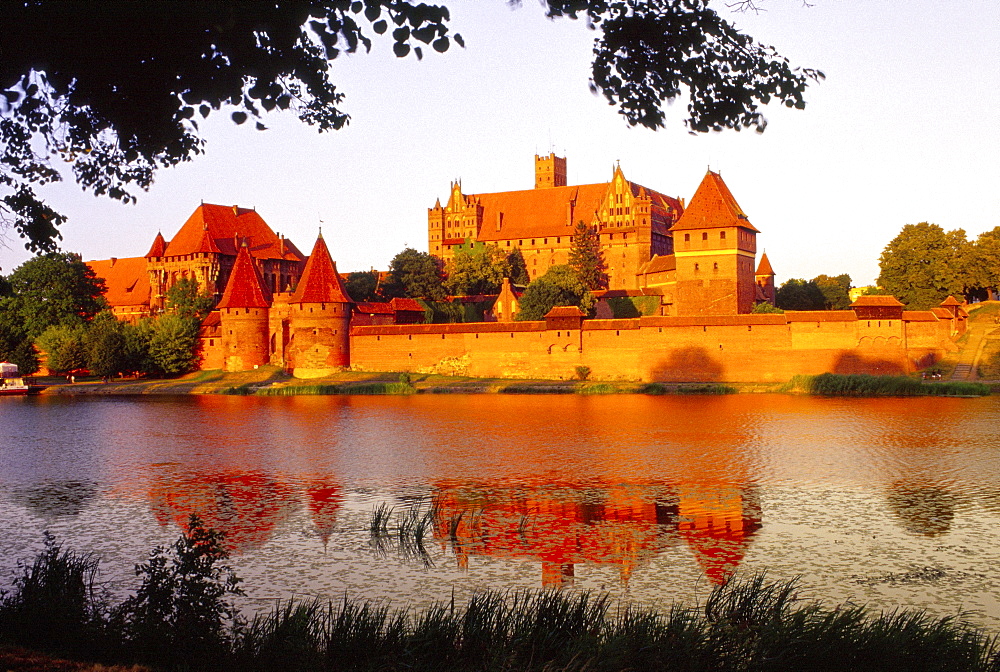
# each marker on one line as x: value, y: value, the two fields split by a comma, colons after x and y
x: 372, y: 387
x: 865, y: 385
x: 747, y: 625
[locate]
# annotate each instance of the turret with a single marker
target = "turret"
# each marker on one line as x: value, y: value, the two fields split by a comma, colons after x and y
x: 320, y: 318
x: 764, y: 278
x: 243, y: 312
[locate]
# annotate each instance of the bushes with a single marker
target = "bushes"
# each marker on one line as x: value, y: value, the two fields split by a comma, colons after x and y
x: 864, y: 385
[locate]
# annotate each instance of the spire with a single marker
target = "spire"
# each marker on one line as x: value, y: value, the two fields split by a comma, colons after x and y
x: 713, y: 206
x: 320, y: 282
x: 159, y: 246
x: 764, y: 268
x: 245, y: 288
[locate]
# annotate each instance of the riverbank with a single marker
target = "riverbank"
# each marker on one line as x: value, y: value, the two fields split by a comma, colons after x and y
x: 273, y: 381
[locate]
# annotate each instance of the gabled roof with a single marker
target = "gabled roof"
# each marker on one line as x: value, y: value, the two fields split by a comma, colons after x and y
x: 764, y: 267
x: 878, y: 300
x: 158, y: 247
x: 126, y: 279
x: 373, y: 308
x: 245, y: 288
x: 950, y: 301
x: 320, y: 282
x: 713, y: 207
x: 228, y: 228
x: 920, y: 316
x: 659, y: 263
x: 943, y: 313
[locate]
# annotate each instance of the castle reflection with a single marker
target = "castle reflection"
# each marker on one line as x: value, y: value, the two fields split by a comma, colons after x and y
x: 624, y: 525
x: 247, y: 507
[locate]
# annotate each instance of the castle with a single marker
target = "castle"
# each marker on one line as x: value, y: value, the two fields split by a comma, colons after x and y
x: 696, y: 264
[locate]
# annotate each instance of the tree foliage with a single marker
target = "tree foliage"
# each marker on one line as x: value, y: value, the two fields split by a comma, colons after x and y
x: 115, y: 90
x: 480, y: 269
x: 363, y: 286
x: 984, y: 262
x: 173, y: 344
x: 560, y: 286
x: 184, y: 299
x: 799, y: 294
x: 414, y: 274
x: 52, y: 289
x: 107, y: 346
x: 65, y: 347
x: 586, y: 257
x: 835, y: 290
x: 518, y: 268
x: 924, y: 264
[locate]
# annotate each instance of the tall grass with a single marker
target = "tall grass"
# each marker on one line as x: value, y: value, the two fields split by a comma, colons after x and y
x: 749, y: 625
x: 372, y: 387
x: 865, y: 385
x: 702, y: 388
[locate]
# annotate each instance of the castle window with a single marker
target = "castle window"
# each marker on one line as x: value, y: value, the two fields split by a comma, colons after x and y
x: 627, y: 210
x: 704, y: 236
x: 696, y: 267
x: 715, y: 266
x: 532, y: 241
x: 545, y: 241
x: 722, y: 235
x: 687, y: 237
x: 557, y: 240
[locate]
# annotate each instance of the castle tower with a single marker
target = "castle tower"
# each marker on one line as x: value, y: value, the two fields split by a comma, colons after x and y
x: 320, y: 319
x: 157, y: 291
x: 714, y: 246
x: 243, y: 312
x: 550, y: 171
x: 764, y: 279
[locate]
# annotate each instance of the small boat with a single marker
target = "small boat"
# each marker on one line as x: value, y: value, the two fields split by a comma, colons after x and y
x: 10, y: 381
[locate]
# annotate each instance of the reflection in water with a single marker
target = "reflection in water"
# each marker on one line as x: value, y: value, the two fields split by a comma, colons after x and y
x: 56, y: 498
x: 922, y: 509
x: 626, y: 525
x: 246, y: 507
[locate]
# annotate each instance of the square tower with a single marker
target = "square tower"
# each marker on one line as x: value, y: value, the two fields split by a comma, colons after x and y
x: 550, y: 171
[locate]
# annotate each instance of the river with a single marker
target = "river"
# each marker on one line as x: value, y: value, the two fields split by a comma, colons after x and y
x: 885, y: 502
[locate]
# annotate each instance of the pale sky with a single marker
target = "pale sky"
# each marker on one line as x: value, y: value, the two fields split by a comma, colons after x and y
x: 904, y: 129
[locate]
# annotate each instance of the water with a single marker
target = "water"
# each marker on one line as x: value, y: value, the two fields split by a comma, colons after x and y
x: 886, y: 502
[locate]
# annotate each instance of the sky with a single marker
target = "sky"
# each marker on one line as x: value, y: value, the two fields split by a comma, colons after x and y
x: 904, y: 129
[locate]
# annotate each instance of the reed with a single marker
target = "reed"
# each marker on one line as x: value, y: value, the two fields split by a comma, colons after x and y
x: 369, y: 387
x: 865, y: 385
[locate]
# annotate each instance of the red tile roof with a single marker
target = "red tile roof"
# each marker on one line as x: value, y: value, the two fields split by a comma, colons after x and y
x: 713, y: 207
x: 158, y: 247
x: 245, y: 288
x: 659, y: 263
x: 539, y: 213
x: 920, y: 316
x: 878, y: 300
x: 126, y: 279
x: 764, y: 268
x: 943, y: 313
x: 406, y: 304
x: 320, y: 281
x: 373, y: 308
x: 950, y: 301
x: 820, y: 316
x: 565, y: 311
x: 228, y: 228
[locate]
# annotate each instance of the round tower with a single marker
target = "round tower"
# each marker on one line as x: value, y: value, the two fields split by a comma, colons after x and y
x: 243, y: 313
x: 320, y: 319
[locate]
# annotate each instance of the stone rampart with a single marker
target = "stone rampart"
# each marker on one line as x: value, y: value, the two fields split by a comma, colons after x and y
x: 736, y: 348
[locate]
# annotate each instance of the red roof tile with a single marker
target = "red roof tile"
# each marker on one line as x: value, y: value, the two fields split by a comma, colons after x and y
x: 320, y: 281
x: 878, y: 300
x: 539, y: 213
x: 660, y: 263
x: 950, y: 301
x: 229, y: 227
x: 126, y: 279
x: 920, y: 316
x: 373, y: 308
x: 565, y: 311
x: 943, y: 313
x: 158, y: 247
x: 712, y: 207
x: 764, y: 268
x: 820, y: 316
x: 245, y: 288
x: 406, y: 304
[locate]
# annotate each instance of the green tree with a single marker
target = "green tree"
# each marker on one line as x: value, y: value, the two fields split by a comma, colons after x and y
x: 105, y: 343
x: 363, y: 286
x: 184, y: 299
x: 984, y: 262
x: 53, y: 289
x: 798, y: 294
x: 765, y: 308
x: 173, y: 345
x: 63, y: 100
x: 477, y: 270
x: 835, y: 290
x: 586, y: 257
x: 518, y: 268
x: 414, y: 274
x: 560, y: 286
x: 924, y: 264
x: 65, y: 347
